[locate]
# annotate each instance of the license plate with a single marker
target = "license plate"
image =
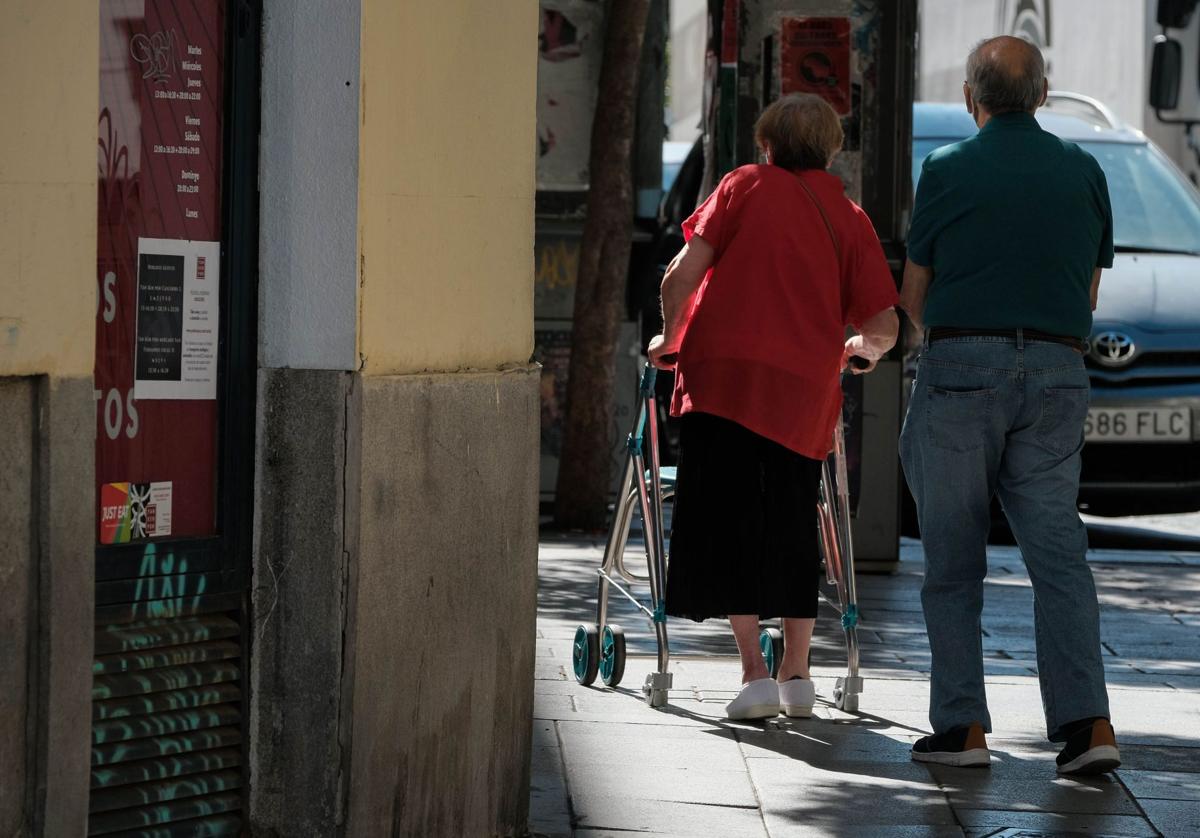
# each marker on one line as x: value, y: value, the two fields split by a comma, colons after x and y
x: 1138, y: 424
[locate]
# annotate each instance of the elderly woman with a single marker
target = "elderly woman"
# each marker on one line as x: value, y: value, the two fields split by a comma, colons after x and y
x: 778, y: 262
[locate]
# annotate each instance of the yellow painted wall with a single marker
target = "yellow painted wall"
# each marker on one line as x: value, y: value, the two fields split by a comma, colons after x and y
x: 447, y: 158
x: 48, y: 101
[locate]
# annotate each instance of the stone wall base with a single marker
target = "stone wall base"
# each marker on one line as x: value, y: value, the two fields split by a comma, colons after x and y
x: 394, y: 603
x: 46, y: 575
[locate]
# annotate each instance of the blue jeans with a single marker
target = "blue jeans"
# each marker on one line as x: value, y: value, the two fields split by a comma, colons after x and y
x: 999, y: 416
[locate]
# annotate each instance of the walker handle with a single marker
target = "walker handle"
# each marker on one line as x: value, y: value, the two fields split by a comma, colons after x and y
x: 649, y: 373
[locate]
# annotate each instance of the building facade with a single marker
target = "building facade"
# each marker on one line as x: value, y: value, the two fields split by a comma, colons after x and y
x: 271, y: 483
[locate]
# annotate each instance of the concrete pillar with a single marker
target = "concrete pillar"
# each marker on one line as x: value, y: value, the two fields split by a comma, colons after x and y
x: 396, y: 486
x: 307, y: 417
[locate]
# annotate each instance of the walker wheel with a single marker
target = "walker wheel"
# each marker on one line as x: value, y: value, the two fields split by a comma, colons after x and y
x: 845, y: 701
x: 770, y: 640
x: 585, y: 654
x: 612, y: 655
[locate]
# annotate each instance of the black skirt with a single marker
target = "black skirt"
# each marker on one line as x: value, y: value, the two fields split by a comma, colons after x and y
x: 744, y: 532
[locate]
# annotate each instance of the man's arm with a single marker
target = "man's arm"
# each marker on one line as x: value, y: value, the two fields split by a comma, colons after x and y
x: 1096, y: 287
x: 679, y: 286
x: 914, y: 291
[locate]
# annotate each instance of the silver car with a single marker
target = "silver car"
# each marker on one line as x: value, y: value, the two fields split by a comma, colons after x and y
x: 1143, y: 428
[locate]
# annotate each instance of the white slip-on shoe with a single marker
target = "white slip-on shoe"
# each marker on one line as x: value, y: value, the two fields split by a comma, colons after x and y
x: 757, y: 700
x: 797, y: 697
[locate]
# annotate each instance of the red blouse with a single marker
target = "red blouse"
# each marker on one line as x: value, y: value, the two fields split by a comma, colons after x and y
x: 763, y: 341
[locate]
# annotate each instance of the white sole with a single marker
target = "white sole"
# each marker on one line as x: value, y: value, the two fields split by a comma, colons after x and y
x: 974, y: 758
x: 1098, y: 760
x: 754, y: 711
x: 798, y: 711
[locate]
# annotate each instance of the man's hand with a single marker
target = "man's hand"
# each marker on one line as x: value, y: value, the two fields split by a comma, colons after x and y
x: 662, y: 354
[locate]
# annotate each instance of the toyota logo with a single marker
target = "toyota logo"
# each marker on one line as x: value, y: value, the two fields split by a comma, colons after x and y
x: 1113, y: 349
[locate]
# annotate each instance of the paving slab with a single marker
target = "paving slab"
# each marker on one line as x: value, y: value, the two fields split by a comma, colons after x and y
x: 1032, y: 787
x: 1173, y: 818
x: 1159, y: 758
x: 833, y: 800
x: 781, y: 828
x: 597, y: 814
x: 824, y: 745
x: 673, y: 784
x: 648, y: 747
x: 549, y: 808
x: 1162, y: 785
x: 990, y: 822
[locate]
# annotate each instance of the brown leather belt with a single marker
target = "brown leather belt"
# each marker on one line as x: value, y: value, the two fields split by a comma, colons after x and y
x: 936, y: 333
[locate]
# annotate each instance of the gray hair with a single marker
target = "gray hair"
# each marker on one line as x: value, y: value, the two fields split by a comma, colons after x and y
x: 1005, y: 83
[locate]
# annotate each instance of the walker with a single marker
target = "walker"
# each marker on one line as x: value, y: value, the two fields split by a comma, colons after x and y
x: 599, y: 648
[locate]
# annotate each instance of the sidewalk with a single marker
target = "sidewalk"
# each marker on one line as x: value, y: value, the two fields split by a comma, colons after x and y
x: 607, y: 765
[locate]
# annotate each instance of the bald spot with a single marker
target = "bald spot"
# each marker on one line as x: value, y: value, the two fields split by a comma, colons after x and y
x: 1012, y: 56
x: 1006, y: 74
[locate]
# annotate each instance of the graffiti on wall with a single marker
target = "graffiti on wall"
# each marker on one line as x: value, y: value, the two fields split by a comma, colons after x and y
x: 557, y: 263
x: 556, y: 268
x: 162, y: 586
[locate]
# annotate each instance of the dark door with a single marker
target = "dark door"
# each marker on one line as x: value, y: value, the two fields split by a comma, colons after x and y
x: 174, y: 382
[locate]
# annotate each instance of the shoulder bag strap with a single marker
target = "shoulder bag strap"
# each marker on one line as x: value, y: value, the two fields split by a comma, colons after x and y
x: 837, y: 247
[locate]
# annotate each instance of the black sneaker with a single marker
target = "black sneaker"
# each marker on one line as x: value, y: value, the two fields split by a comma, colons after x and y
x: 1092, y: 749
x: 965, y: 747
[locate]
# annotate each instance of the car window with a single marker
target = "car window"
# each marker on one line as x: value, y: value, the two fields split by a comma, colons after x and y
x: 670, y: 172
x: 1153, y: 208
x: 922, y: 148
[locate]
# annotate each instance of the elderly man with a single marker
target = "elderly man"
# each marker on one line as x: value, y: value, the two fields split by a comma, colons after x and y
x: 1010, y: 231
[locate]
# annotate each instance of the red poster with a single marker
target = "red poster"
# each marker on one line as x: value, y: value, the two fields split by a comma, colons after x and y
x: 160, y: 149
x: 815, y: 58
x: 729, y: 34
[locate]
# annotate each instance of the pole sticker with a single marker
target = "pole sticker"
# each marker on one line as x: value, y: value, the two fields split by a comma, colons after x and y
x: 815, y: 58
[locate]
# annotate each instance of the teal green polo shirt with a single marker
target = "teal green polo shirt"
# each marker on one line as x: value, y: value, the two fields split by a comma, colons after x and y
x: 1013, y: 222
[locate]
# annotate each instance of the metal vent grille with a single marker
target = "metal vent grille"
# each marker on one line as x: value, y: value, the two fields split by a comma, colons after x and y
x: 167, y: 705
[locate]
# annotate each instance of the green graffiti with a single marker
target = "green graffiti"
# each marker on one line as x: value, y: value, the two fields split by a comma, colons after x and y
x: 126, y: 819
x: 173, y: 789
x: 158, y: 593
x: 164, y: 746
x: 153, y: 633
x: 164, y: 768
x: 141, y: 705
x: 163, y: 724
x: 176, y: 678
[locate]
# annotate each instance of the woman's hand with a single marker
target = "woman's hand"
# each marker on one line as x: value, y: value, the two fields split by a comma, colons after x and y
x: 876, y: 337
x: 856, y: 347
x: 662, y: 354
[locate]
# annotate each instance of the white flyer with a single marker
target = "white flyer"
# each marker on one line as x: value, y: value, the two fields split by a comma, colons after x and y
x: 178, y: 310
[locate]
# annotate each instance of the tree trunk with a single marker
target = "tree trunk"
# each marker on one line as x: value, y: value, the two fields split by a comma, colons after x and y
x: 583, y: 473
